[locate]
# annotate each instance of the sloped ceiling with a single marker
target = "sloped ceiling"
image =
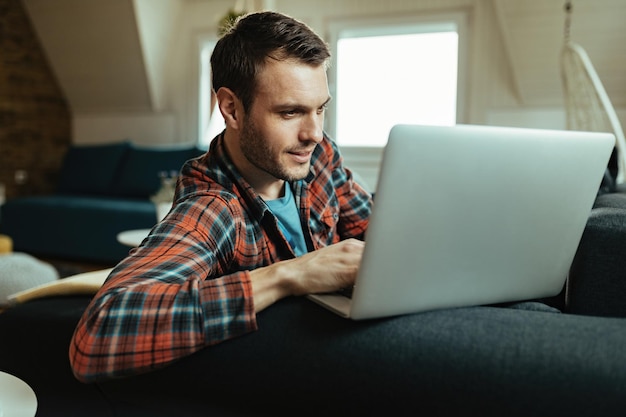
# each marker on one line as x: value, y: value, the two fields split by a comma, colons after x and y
x: 106, y: 60
x: 95, y: 50
x: 533, y: 32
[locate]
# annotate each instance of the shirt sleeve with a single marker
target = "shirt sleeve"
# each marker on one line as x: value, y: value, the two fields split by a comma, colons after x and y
x: 169, y: 298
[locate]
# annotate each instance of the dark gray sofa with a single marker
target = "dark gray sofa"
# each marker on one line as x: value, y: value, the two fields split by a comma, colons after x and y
x: 506, y: 360
x: 102, y: 190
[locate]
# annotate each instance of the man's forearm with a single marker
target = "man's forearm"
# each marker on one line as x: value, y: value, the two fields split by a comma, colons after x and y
x: 324, y: 270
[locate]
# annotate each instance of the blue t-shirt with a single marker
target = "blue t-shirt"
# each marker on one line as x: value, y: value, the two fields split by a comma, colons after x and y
x: 286, y: 211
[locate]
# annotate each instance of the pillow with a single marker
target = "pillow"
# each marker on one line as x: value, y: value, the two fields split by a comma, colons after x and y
x: 140, y: 173
x: 90, y: 169
x: 21, y: 271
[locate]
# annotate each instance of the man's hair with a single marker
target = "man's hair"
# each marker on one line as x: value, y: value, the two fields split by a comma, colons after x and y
x: 242, y: 51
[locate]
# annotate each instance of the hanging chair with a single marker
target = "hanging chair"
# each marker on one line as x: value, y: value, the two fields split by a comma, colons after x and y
x: 587, y: 105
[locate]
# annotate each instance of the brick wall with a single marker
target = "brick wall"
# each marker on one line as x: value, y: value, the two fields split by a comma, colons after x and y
x: 35, y: 122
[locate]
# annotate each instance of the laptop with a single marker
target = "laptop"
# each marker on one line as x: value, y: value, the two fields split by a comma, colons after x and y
x: 471, y: 215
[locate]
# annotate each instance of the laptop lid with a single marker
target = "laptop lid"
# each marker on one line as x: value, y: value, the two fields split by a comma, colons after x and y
x: 471, y: 215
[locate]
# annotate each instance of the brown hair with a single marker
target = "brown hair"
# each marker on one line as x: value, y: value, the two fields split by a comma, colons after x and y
x: 243, y: 50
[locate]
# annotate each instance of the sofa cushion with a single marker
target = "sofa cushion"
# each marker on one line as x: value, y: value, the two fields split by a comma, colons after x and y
x: 139, y: 174
x: 597, y: 284
x: 75, y: 227
x: 90, y: 169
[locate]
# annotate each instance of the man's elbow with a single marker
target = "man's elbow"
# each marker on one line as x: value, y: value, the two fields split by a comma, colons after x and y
x: 81, y: 362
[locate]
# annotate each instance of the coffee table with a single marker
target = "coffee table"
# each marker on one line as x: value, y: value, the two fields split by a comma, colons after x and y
x: 17, y: 399
x: 132, y: 238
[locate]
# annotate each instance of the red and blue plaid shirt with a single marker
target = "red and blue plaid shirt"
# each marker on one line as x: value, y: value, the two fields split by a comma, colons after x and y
x: 187, y: 286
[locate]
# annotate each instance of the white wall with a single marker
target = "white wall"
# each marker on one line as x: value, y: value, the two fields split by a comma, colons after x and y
x: 142, y: 129
x: 536, y: 117
x: 157, y: 22
x: 540, y: 118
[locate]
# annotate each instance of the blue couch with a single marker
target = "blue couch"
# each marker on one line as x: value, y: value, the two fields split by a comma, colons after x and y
x: 102, y: 190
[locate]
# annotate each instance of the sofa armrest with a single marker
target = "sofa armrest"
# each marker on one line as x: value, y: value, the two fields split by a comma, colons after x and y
x: 597, y: 281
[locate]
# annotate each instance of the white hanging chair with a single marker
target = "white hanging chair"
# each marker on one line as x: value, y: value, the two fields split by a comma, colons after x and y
x: 587, y: 105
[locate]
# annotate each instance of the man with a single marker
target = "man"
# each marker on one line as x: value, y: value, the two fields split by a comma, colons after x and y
x: 268, y: 212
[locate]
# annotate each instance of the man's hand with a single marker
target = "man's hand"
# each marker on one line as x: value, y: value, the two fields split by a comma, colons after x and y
x: 324, y: 270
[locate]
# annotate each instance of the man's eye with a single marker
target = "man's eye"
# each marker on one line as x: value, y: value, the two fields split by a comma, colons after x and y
x: 289, y: 113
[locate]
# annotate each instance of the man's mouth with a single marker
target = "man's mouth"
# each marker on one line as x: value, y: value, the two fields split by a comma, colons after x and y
x: 302, y: 156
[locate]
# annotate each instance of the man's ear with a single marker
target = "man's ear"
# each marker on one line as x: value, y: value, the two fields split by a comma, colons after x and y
x: 230, y: 107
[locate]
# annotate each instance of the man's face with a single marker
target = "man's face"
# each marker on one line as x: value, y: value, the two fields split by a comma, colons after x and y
x: 285, y: 121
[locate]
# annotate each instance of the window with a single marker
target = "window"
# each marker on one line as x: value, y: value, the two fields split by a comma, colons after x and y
x: 211, y: 122
x: 389, y: 72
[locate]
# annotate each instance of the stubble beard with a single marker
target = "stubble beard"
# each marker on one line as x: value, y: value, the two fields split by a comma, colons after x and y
x: 256, y: 149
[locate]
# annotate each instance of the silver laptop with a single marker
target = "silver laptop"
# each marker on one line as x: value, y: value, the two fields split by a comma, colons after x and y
x: 473, y: 215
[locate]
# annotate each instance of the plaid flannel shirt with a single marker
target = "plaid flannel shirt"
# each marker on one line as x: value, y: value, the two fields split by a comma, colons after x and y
x: 187, y: 286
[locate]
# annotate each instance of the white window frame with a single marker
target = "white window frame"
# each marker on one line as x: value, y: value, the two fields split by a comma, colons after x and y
x: 365, y: 160
x: 397, y: 25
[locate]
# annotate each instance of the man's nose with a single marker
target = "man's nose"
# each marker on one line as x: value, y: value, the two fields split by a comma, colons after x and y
x: 313, y: 128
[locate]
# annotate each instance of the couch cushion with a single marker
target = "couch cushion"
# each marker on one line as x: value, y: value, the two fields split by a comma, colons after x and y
x: 139, y: 174
x: 596, y: 283
x: 90, y: 169
x: 74, y: 227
